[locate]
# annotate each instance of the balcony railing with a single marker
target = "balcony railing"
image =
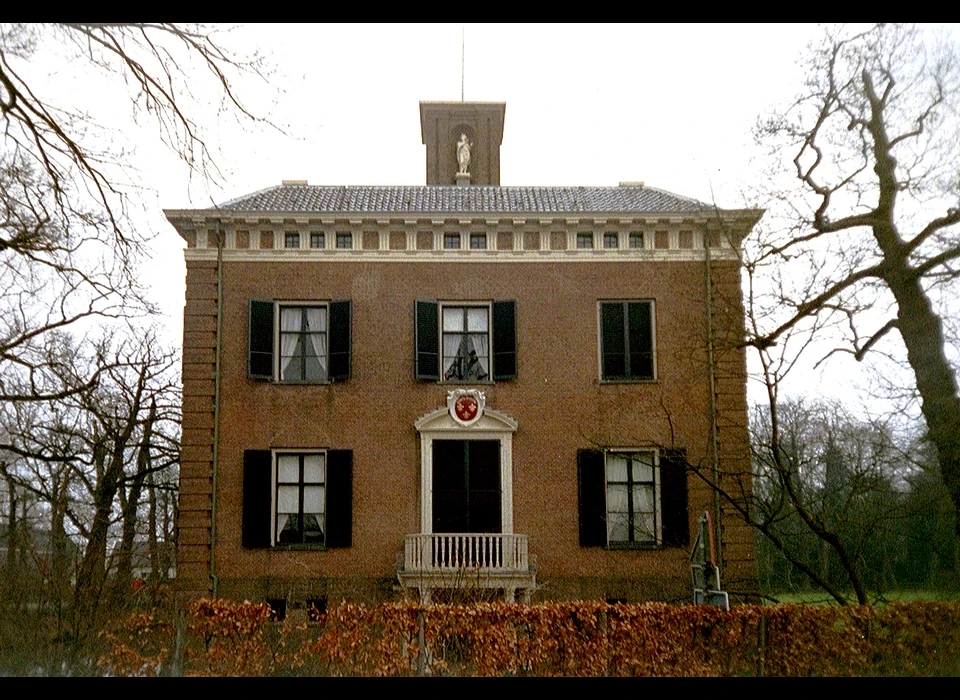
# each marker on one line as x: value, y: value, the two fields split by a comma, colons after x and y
x: 490, y: 552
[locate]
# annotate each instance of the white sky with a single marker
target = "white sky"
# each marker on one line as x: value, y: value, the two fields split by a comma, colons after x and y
x: 670, y: 105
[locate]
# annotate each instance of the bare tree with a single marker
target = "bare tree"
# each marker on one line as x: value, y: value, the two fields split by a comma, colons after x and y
x: 873, y: 144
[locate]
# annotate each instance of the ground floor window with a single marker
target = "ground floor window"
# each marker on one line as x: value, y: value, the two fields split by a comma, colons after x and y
x: 300, y: 498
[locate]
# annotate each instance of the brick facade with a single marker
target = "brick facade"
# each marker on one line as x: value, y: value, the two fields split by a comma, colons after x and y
x: 559, y: 401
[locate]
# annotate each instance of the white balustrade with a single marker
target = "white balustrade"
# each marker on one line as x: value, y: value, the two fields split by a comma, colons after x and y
x: 492, y: 552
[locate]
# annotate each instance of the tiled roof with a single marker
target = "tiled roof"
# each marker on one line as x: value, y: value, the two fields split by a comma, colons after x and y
x: 479, y: 199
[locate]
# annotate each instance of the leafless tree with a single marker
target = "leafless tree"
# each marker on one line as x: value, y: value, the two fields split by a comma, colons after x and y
x: 872, y: 241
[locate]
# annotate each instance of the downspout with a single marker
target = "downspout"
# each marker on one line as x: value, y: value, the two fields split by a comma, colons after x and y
x: 216, y: 414
x: 711, y: 374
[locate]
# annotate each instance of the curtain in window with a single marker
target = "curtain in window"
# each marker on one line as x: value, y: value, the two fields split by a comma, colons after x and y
x: 289, y: 337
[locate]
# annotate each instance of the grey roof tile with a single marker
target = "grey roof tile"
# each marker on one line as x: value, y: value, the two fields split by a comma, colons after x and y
x: 478, y: 199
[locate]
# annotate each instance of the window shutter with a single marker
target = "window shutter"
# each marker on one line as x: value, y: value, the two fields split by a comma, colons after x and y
x: 591, y: 478
x: 612, y: 341
x: 260, y: 358
x: 427, y: 341
x: 673, y: 498
x: 340, y: 357
x: 257, y: 487
x: 641, y: 340
x: 504, y: 340
x: 339, y: 498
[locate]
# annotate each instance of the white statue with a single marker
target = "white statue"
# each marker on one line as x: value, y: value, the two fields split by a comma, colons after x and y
x: 463, y: 154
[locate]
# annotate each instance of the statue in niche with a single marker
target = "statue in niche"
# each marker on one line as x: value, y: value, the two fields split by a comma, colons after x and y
x: 463, y: 154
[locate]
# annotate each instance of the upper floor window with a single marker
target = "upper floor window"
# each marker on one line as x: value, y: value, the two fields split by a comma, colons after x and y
x: 626, y: 340
x: 478, y: 241
x: 451, y: 241
x: 610, y: 240
x: 345, y: 241
x: 636, y: 240
x: 291, y: 240
x: 303, y: 344
x: 465, y: 342
x: 310, y: 344
x: 585, y: 240
x: 317, y: 240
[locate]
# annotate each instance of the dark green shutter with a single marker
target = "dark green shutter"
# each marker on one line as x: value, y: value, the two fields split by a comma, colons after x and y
x: 260, y: 345
x: 592, y: 498
x: 504, y: 340
x: 427, y: 341
x: 340, y: 341
x: 339, y: 498
x: 257, y: 499
x: 673, y: 498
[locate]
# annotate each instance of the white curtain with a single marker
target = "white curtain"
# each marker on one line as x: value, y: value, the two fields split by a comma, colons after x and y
x: 289, y: 335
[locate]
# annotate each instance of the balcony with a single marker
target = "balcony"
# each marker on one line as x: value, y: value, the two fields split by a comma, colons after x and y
x: 467, y: 560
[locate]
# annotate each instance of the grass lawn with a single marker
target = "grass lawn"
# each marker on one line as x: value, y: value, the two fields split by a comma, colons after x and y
x: 821, y: 598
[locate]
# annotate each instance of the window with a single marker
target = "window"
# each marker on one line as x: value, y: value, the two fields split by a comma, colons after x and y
x: 584, y: 240
x: 632, y: 498
x: 636, y: 240
x: 291, y: 240
x: 303, y: 344
x: 465, y: 342
x: 310, y: 345
x: 345, y: 241
x: 451, y: 241
x: 610, y: 240
x: 317, y: 240
x: 626, y: 340
x: 478, y: 241
x: 301, y: 482
x: 297, y: 499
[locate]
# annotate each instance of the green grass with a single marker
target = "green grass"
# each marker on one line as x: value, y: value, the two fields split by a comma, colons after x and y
x: 821, y: 598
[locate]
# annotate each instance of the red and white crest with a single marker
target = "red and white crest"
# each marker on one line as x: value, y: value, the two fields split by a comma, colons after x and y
x: 466, y: 405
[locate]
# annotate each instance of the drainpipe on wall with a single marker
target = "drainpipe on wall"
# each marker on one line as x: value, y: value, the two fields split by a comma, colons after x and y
x: 711, y: 373
x: 216, y: 414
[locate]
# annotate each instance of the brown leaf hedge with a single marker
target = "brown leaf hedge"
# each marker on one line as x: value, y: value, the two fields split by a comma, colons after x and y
x: 223, y: 638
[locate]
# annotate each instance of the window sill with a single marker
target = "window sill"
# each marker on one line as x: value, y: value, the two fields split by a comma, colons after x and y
x: 628, y: 546
x: 628, y: 380
x: 299, y: 548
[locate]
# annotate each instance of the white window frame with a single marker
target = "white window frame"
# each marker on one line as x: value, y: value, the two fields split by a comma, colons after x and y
x: 488, y: 307
x: 274, y: 488
x: 656, y: 496
x: 279, y: 306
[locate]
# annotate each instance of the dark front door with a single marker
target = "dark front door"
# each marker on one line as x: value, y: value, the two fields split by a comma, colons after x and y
x: 466, y: 486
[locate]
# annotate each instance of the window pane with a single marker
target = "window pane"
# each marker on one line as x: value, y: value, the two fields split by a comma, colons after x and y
x: 451, y: 241
x: 636, y: 240
x: 478, y: 241
x: 288, y: 469
x: 618, y: 527
x: 288, y: 499
x: 643, y: 466
x: 313, y: 499
x: 452, y: 318
x: 292, y: 240
x: 617, y: 498
x: 476, y: 320
x: 290, y: 319
x: 617, y: 467
x: 609, y: 240
x: 344, y: 240
x: 584, y: 240
x: 644, y: 528
x: 313, y: 469
x: 317, y: 240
